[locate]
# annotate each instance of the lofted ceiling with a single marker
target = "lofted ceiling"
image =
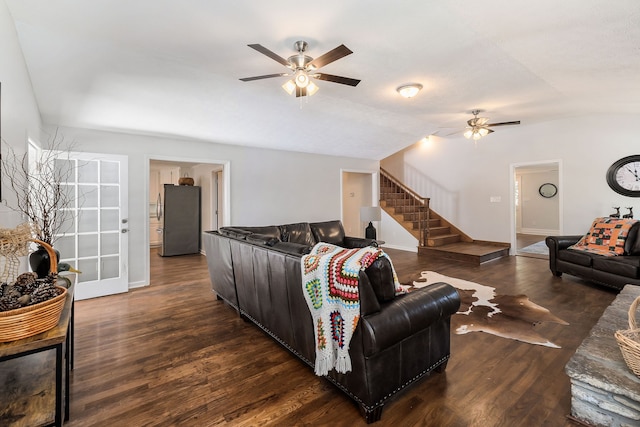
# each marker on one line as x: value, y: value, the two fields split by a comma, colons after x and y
x: 172, y: 67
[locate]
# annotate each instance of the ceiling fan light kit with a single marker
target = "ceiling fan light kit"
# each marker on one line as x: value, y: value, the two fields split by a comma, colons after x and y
x: 409, y: 90
x: 304, y: 68
x: 476, y: 134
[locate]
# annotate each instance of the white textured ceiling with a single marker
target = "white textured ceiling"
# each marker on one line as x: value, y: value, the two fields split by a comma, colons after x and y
x: 171, y: 67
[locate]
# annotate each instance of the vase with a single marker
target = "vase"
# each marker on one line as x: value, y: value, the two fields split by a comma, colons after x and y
x: 39, y: 261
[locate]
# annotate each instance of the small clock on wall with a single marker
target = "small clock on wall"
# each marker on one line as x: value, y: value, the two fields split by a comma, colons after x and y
x: 548, y: 190
x: 624, y: 176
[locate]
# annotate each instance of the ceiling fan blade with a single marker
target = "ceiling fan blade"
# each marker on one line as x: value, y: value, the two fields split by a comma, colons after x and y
x: 336, y: 79
x: 517, y: 122
x: 333, y: 55
x: 263, y: 50
x: 266, y: 76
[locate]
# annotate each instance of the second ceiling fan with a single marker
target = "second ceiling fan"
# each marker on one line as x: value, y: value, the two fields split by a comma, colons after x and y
x: 303, y: 68
x: 479, y: 126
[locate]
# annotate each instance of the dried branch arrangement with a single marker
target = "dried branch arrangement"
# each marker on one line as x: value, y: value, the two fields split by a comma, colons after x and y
x: 39, y: 183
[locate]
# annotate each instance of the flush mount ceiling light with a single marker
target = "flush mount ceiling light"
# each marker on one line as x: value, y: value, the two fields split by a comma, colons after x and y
x: 409, y: 90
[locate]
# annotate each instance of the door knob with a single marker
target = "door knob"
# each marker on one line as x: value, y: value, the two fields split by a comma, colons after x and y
x: 125, y: 230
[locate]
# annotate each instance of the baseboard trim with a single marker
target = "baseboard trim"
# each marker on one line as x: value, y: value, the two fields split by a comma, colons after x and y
x: 139, y: 284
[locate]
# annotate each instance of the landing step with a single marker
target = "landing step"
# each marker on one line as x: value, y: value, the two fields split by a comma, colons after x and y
x: 471, y: 252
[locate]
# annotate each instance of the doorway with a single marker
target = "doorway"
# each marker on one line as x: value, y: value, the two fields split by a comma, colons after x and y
x: 359, y: 189
x: 212, y: 176
x: 536, y: 206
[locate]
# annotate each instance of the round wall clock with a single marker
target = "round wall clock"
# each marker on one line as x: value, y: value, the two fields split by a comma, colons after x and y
x: 624, y: 176
x: 548, y: 190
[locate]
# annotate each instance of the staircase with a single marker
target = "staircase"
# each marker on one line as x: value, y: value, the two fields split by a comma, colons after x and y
x: 436, y: 236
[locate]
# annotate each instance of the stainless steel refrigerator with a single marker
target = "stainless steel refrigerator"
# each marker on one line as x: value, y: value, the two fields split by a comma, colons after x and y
x: 179, y: 216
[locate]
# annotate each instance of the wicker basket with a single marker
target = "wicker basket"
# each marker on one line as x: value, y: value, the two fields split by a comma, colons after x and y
x: 629, y: 340
x: 37, y: 318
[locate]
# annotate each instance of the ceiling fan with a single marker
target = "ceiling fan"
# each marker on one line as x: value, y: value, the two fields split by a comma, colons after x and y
x: 303, y: 67
x: 479, y: 126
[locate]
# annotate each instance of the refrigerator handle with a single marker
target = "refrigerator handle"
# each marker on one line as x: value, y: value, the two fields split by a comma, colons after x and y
x: 159, y: 208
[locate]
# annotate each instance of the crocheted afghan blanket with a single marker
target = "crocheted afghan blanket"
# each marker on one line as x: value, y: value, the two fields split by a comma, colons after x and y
x: 330, y: 287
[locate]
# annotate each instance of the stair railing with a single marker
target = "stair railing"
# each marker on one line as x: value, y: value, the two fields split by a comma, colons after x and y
x: 410, y: 198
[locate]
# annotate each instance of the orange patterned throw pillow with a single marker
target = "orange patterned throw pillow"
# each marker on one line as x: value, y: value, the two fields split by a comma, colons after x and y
x: 606, y: 236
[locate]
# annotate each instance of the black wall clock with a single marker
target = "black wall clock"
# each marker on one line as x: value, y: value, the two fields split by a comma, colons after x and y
x: 548, y: 190
x: 624, y: 176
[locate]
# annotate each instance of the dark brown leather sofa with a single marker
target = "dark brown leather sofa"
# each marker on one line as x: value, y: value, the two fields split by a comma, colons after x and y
x: 398, y: 340
x: 612, y: 271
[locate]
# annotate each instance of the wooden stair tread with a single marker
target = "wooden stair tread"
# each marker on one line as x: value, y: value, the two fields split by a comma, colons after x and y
x: 444, y: 236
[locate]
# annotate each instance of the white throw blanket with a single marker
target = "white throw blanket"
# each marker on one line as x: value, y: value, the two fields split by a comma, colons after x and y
x: 330, y: 287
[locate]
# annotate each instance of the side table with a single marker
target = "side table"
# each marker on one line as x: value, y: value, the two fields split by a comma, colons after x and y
x: 34, y: 374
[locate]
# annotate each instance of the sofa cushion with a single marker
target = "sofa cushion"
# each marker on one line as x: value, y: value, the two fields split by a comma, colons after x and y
x: 606, y: 237
x: 575, y: 257
x: 297, y: 233
x: 627, y: 266
x: 328, y: 232
x: 632, y: 245
x: 269, y: 230
x: 380, y: 276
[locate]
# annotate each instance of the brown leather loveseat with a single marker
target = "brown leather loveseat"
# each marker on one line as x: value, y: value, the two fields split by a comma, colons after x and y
x: 398, y: 340
x: 612, y: 271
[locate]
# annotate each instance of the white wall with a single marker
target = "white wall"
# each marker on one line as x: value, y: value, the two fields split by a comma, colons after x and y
x: 395, y: 236
x: 471, y: 174
x: 266, y: 186
x: 20, y: 115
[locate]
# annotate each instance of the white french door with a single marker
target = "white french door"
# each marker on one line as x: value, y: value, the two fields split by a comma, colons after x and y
x: 95, y: 239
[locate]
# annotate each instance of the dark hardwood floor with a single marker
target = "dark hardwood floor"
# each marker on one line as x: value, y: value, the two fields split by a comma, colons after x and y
x: 171, y: 354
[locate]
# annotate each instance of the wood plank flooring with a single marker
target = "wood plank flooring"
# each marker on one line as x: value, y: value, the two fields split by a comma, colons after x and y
x: 171, y: 354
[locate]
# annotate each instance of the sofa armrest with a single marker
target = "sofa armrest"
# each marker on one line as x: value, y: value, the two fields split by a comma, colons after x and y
x: 262, y: 239
x: 555, y: 244
x: 328, y: 232
x: 358, y: 242
x: 562, y: 242
x: 407, y: 315
x: 234, y: 232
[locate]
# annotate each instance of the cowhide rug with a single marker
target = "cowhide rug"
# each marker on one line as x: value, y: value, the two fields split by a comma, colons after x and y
x: 507, y: 316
